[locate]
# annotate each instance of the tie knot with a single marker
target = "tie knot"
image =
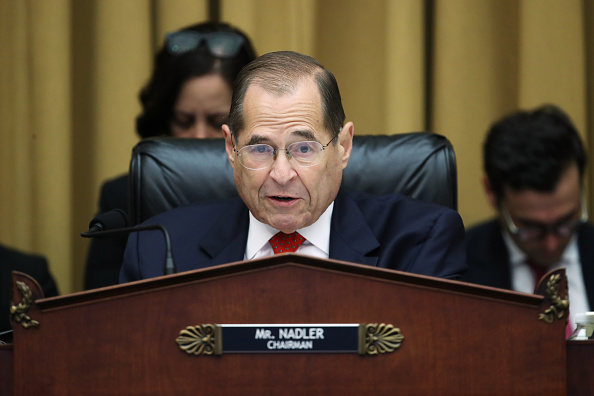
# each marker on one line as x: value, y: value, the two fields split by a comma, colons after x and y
x: 284, y: 243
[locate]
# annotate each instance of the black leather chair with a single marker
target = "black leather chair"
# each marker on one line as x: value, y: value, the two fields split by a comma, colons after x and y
x: 170, y: 172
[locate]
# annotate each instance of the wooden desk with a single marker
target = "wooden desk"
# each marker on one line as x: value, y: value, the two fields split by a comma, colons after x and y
x: 459, y: 338
x: 6, y: 369
x: 580, y: 363
x: 580, y: 360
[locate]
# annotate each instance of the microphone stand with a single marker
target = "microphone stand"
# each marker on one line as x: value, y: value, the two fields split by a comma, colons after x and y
x: 169, y: 263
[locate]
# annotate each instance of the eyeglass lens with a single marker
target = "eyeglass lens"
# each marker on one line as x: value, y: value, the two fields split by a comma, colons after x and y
x: 259, y: 156
x: 220, y: 44
x: 531, y: 233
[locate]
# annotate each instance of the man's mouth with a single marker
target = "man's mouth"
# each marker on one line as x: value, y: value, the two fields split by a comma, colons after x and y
x: 283, y: 199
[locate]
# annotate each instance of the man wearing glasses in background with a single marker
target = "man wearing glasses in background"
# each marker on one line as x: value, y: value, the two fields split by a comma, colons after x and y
x: 534, y: 163
x: 288, y: 143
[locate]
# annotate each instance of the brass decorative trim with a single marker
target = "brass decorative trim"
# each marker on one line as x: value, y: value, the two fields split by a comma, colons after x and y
x: 19, y: 312
x: 200, y: 340
x: 379, y: 338
x: 362, y: 338
x: 559, y: 305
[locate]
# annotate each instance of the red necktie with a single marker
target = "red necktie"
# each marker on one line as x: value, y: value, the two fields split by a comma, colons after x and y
x: 284, y: 243
x: 538, y: 272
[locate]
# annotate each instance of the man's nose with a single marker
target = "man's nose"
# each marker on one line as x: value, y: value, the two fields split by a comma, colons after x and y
x: 282, y: 169
x: 551, y: 241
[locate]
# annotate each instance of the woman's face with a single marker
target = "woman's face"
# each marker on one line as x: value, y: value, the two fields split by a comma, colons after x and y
x: 201, y: 108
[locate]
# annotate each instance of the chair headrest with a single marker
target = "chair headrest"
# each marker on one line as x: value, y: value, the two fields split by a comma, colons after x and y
x: 169, y: 172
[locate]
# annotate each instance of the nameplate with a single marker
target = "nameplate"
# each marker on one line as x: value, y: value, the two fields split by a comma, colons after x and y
x: 290, y: 338
x: 217, y: 339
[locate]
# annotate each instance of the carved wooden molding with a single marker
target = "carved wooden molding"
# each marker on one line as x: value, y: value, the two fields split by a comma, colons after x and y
x: 559, y: 304
x: 18, y: 312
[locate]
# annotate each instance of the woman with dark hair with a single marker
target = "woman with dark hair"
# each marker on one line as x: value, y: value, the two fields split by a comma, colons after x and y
x: 187, y: 95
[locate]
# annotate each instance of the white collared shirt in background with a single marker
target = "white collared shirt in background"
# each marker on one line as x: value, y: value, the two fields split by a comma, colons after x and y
x: 523, y: 279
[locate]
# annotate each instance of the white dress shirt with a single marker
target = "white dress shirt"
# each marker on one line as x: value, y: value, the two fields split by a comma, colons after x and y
x: 317, y: 237
x: 523, y: 278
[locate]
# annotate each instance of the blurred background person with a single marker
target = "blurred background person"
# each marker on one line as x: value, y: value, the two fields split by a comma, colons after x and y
x: 188, y: 95
x: 534, y: 163
x: 30, y: 264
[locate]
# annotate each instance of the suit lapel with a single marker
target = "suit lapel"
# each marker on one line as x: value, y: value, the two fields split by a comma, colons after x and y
x: 226, y: 241
x: 499, y: 257
x: 351, y: 239
x: 585, y: 238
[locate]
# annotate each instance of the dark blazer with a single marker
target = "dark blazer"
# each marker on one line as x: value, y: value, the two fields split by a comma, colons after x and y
x: 104, y: 257
x: 390, y: 231
x: 34, y: 265
x: 488, y: 257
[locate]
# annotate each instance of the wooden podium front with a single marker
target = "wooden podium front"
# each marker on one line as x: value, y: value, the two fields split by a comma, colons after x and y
x: 458, y: 338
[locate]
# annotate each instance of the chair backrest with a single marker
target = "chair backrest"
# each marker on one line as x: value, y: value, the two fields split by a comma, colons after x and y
x: 169, y: 172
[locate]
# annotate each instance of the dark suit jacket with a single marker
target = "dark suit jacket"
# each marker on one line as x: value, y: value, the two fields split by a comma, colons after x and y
x: 104, y: 257
x: 390, y: 231
x: 488, y: 257
x: 36, y: 266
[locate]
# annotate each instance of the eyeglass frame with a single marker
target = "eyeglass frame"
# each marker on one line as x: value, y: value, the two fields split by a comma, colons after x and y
x: 542, y: 229
x: 286, y: 150
x: 238, y: 39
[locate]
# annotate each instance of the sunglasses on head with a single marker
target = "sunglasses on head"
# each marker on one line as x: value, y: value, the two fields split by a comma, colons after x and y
x: 220, y: 44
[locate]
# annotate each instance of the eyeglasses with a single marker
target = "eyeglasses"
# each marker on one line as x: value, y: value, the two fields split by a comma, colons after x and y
x: 534, y: 233
x: 260, y: 156
x: 220, y: 44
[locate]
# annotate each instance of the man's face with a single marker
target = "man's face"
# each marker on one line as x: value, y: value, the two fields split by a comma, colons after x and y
x: 284, y: 195
x: 529, y: 208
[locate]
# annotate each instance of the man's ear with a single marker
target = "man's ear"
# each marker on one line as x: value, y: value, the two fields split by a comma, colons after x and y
x: 229, y: 143
x: 490, y: 193
x: 345, y: 139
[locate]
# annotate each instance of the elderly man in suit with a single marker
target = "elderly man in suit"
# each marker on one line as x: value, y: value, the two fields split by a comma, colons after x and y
x: 534, y: 163
x: 288, y: 143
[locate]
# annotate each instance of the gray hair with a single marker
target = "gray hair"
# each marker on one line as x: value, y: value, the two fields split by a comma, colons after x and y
x: 280, y: 72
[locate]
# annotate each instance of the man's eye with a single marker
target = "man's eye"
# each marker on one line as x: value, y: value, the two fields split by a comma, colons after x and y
x: 303, y: 149
x: 261, y: 149
x: 531, y: 231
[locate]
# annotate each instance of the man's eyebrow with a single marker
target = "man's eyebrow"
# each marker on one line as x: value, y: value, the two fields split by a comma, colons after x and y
x: 305, y: 133
x: 257, y: 139
x: 563, y: 219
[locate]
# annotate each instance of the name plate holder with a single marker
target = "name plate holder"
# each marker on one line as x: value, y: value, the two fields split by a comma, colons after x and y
x: 217, y: 339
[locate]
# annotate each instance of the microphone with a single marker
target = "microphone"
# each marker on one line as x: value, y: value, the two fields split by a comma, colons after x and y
x: 115, y: 223
x: 111, y: 220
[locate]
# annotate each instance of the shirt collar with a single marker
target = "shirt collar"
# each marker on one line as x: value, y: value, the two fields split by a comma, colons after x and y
x: 318, y: 234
